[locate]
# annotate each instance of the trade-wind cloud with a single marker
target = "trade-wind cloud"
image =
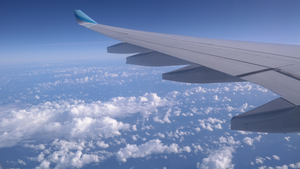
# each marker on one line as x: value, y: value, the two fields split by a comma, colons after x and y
x: 74, y: 118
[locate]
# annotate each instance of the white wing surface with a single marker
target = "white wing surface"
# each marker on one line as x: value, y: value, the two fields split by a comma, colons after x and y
x: 273, y: 66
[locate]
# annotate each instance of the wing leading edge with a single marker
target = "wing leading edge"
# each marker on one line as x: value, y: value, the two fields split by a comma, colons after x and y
x: 274, y: 66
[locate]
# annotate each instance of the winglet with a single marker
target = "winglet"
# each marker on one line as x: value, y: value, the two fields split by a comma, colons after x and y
x: 83, y: 19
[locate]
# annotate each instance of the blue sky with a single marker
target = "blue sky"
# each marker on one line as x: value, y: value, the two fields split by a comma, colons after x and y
x: 34, y: 31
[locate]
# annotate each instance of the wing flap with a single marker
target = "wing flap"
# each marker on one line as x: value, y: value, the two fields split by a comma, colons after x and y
x: 155, y: 59
x: 277, y: 116
x: 126, y: 48
x: 199, y: 74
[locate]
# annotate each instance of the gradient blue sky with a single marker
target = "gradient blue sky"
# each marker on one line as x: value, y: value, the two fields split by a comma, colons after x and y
x: 36, y: 30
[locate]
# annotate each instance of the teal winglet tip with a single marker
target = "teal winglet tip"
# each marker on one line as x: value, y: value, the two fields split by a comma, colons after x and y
x: 83, y: 17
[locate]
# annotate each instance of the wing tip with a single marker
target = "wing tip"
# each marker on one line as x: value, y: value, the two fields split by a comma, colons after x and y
x: 82, y: 17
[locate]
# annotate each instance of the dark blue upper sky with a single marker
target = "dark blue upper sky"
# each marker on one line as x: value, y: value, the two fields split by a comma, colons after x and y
x: 47, y: 30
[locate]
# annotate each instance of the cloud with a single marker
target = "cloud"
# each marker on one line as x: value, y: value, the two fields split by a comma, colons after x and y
x: 134, y: 127
x: 161, y: 135
x: 229, y: 140
x: 75, y: 118
x: 102, y: 144
x: 259, y: 160
x: 282, y: 167
x: 208, y: 126
x: 148, y: 148
x: 215, y: 97
x: 250, y: 141
x: 70, y: 154
x: 297, y: 165
x: 276, y: 157
x: 242, y: 108
x: 218, y: 159
x: 21, y: 162
x: 287, y: 138
x: 197, y: 148
x: 37, y: 147
x: 193, y: 91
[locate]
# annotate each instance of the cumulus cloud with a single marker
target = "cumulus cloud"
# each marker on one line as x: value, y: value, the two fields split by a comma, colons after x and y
x: 21, y: 162
x: 197, y: 148
x: 75, y: 118
x: 297, y: 165
x: 134, y: 127
x: 37, y: 147
x: 102, y: 144
x: 207, y: 123
x: 194, y: 90
x: 282, y: 167
x: 229, y: 140
x: 276, y: 157
x: 287, y: 138
x: 250, y: 141
x: 69, y: 154
x: 242, y: 108
x: 161, y: 135
x: 148, y: 148
x: 215, y: 97
x: 259, y: 160
x: 218, y: 159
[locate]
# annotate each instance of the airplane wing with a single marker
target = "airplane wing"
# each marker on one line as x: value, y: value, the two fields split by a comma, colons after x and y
x: 273, y: 66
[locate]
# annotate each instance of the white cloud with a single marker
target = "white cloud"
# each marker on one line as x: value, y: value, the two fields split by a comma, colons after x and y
x: 242, y: 108
x: 250, y: 141
x: 259, y: 160
x: 215, y: 97
x: 197, y: 129
x: 187, y: 149
x: 74, y: 118
x: 161, y: 135
x: 218, y: 126
x: 102, y: 144
x: 21, y: 162
x: 287, y: 138
x: 134, y: 137
x: 193, y: 91
x: 276, y: 157
x: 197, y: 148
x: 229, y: 140
x: 208, y: 126
x: 156, y: 119
x: 37, y: 147
x: 297, y: 165
x: 218, y: 159
x: 229, y: 108
x: 44, y: 165
x: 69, y: 154
x: 245, y: 132
x: 282, y: 167
x: 148, y: 148
x: 168, y: 114
x: 134, y: 127
x: 208, y: 110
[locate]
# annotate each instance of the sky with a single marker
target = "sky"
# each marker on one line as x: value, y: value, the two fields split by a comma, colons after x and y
x: 34, y: 31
